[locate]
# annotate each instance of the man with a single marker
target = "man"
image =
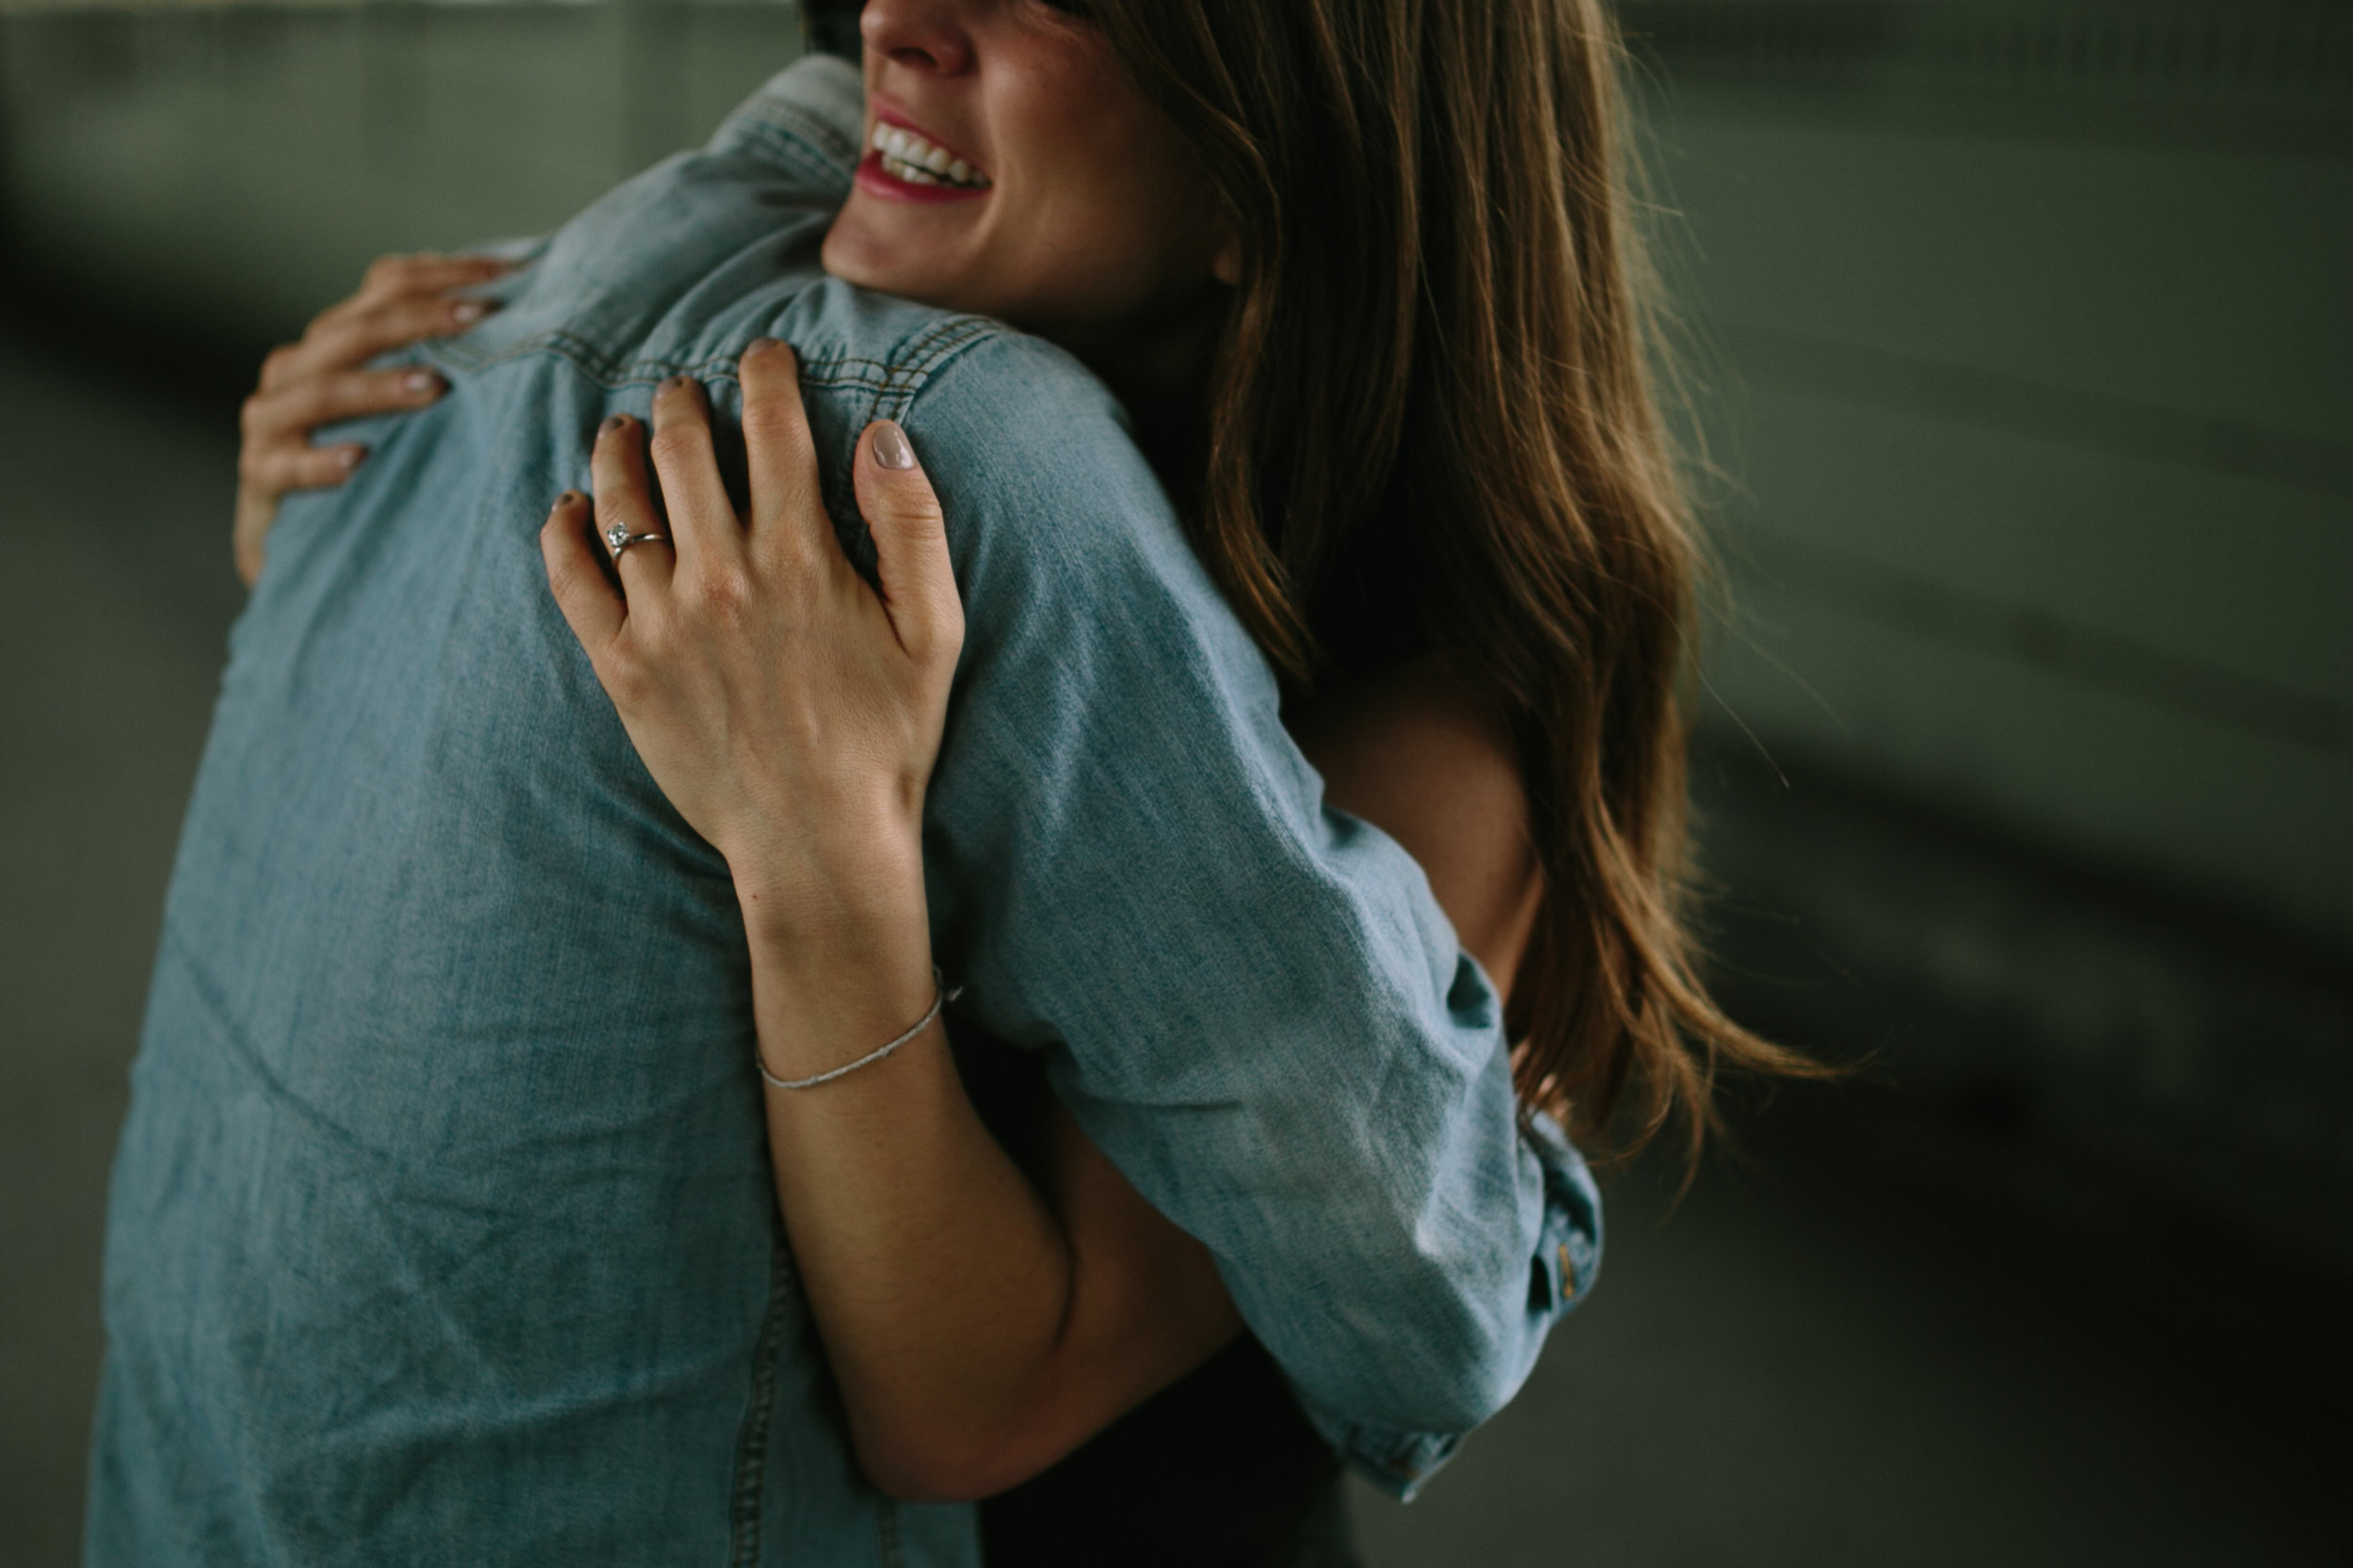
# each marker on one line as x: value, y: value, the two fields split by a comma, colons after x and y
x: 441, y: 1228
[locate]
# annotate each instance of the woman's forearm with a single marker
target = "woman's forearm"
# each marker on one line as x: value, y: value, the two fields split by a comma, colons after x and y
x: 937, y: 1275
x: 979, y: 1328
x: 791, y: 712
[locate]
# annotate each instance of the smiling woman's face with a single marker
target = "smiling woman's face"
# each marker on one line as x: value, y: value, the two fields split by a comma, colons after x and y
x: 1013, y: 168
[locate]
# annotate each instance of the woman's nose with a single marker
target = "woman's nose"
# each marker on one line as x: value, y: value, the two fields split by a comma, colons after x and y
x: 929, y: 36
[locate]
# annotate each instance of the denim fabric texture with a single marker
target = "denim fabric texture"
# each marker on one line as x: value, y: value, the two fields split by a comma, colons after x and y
x: 441, y: 1228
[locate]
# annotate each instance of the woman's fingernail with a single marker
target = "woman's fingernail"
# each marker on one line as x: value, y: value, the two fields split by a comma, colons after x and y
x: 890, y: 447
x: 419, y: 383
x: 613, y: 423
x: 675, y: 383
x: 349, y: 456
x: 467, y: 311
x: 565, y: 500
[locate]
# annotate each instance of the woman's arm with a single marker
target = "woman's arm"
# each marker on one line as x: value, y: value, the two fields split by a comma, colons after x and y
x: 403, y: 299
x: 791, y: 715
x: 1413, y: 752
x: 979, y: 1328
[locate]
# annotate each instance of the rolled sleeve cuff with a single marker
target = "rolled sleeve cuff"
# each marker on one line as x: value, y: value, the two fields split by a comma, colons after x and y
x: 1566, y: 1263
x: 1568, y: 1257
x: 1396, y: 1462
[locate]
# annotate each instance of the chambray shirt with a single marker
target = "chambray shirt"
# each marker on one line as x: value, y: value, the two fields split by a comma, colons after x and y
x: 441, y: 1228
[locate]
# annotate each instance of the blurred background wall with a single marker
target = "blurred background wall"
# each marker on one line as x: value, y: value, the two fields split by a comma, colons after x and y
x: 227, y: 167
x: 2018, y: 340
x: 2032, y: 325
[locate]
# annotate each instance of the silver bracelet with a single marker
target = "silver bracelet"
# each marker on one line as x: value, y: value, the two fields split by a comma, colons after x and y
x: 941, y: 996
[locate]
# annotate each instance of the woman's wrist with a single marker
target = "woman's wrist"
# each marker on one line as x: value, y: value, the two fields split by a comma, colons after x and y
x: 809, y: 924
x: 826, y: 1019
x: 842, y: 955
x: 862, y: 879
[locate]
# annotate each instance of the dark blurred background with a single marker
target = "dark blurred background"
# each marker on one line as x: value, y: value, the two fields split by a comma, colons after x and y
x: 2020, y: 338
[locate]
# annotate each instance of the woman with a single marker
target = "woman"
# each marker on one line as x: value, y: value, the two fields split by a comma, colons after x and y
x: 1360, y: 271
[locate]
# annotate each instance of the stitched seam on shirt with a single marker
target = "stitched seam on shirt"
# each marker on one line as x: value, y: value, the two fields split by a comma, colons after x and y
x: 751, y: 1443
x: 892, y: 385
x: 899, y: 378
x: 801, y: 138
x: 911, y: 369
x: 564, y: 344
x: 888, y: 1540
x: 921, y: 358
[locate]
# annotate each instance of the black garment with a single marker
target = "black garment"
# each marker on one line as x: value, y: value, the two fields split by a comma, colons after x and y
x: 1219, y: 1470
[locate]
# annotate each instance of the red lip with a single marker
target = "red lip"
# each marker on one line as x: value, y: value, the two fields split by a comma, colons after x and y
x: 872, y: 178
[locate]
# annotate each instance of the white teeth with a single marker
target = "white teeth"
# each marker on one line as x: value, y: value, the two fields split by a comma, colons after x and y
x: 917, y: 161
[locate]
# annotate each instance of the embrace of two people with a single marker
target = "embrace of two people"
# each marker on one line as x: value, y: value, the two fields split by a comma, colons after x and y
x: 921, y: 847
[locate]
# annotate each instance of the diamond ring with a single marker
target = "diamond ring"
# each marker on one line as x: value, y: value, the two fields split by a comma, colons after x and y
x: 620, y: 538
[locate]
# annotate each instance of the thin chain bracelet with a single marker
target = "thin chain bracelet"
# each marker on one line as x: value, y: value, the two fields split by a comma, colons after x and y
x: 941, y: 996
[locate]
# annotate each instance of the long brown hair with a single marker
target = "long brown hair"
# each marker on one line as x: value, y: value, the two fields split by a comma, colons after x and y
x: 1431, y: 430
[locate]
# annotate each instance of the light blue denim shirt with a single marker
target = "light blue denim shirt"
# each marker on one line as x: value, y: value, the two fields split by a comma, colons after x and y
x: 441, y: 1228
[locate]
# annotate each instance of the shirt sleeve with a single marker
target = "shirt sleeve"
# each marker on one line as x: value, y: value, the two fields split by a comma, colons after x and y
x: 1252, y: 1002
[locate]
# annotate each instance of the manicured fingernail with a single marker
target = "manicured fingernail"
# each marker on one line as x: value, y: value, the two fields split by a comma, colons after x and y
x: 467, y: 311
x: 612, y: 425
x: 419, y: 383
x: 890, y: 447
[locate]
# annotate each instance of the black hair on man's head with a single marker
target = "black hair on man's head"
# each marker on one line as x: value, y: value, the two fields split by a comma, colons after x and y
x: 831, y: 26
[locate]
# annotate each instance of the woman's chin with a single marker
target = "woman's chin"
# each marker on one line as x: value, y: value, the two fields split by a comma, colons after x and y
x: 855, y: 252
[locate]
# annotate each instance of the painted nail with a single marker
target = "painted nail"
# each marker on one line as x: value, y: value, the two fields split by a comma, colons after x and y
x: 890, y: 447
x: 419, y: 383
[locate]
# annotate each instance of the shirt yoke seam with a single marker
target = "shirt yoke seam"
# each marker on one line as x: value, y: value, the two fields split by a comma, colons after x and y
x: 812, y: 144
x: 892, y: 381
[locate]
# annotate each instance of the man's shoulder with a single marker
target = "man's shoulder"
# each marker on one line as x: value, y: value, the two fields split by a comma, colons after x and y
x: 658, y: 273
x: 1059, y: 527
x: 1017, y: 433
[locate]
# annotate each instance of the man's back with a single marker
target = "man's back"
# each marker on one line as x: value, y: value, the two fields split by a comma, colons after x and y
x: 443, y: 1175
x: 441, y: 1223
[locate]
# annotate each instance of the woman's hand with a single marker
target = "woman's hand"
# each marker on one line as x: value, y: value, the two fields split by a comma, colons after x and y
x: 403, y: 299
x: 792, y: 714
x: 789, y: 711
